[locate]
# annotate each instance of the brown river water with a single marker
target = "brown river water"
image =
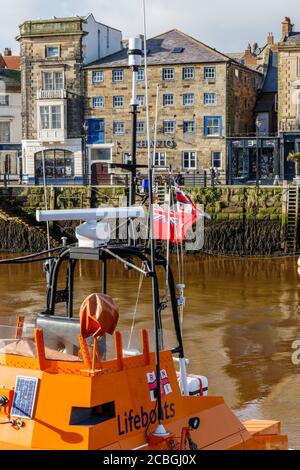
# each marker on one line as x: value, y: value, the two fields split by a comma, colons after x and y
x: 240, y: 320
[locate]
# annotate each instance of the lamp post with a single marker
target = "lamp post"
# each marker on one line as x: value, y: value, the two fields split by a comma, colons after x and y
x: 258, y: 124
x: 135, y: 61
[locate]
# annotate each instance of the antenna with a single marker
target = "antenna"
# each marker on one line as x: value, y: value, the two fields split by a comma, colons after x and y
x: 95, y: 231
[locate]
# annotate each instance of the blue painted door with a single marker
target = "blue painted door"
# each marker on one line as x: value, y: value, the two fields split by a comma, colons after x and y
x: 96, y: 131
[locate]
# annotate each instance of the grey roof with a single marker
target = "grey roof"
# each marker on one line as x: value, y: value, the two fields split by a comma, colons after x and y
x: 11, y: 78
x: 160, y: 52
x: 293, y: 38
x: 236, y: 55
x: 270, y: 84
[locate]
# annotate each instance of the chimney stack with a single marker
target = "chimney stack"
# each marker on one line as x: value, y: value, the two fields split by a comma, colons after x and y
x: 287, y: 26
x: 7, y: 52
x: 270, y: 39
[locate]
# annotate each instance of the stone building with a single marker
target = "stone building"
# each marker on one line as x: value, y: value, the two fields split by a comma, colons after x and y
x: 10, y: 125
x: 289, y: 93
x: 53, y: 53
x: 204, y: 96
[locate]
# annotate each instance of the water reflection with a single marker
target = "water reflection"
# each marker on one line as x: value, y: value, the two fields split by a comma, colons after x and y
x: 240, y: 320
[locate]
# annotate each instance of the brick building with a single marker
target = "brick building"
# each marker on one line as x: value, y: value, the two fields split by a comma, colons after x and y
x: 53, y: 53
x: 204, y: 96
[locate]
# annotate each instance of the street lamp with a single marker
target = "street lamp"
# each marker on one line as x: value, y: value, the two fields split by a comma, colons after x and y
x: 135, y: 61
x: 258, y: 124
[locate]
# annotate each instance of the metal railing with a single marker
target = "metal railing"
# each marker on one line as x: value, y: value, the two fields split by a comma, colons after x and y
x: 51, y: 94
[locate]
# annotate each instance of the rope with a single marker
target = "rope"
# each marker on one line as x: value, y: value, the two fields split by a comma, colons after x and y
x: 135, y: 309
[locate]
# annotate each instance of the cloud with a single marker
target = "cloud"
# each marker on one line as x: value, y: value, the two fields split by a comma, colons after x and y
x: 228, y: 26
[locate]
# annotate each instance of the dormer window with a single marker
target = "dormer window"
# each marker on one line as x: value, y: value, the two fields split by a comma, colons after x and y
x: 52, y: 52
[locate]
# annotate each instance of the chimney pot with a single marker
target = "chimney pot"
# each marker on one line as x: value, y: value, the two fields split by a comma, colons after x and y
x: 270, y: 39
x: 7, y: 51
x: 287, y: 26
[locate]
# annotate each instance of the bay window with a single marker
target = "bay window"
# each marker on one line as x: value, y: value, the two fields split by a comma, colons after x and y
x: 50, y: 117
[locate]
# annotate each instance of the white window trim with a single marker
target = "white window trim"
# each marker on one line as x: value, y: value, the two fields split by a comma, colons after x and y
x: 189, y: 78
x: 8, y: 121
x: 52, y: 71
x: 113, y: 74
x: 210, y: 93
x: 118, y: 106
x: 163, y: 74
x: 209, y: 67
x: 189, y: 168
x: 168, y: 104
x: 165, y: 159
x: 119, y: 133
x: 169, y: 120
x: 98, y: 81
x: 103, y: 102
x: 189, y: 104
x: 221, y: 159
x: 62, y: 115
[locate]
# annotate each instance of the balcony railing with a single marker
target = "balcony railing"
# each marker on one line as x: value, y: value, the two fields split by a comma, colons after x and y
x: 51, y: 94
x: 291, y: 126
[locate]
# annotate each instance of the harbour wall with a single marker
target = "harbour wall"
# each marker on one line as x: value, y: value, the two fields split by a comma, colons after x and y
x: 245, y: 220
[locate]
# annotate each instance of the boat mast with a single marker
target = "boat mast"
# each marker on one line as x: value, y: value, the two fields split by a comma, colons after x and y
x: 135, y: 61
x: 160, y: 430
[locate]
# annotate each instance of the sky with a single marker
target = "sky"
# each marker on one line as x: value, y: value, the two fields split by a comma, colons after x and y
x: 227, y: 25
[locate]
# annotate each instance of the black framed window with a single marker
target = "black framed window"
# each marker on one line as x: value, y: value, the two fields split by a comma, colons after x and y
x: 58, y: 164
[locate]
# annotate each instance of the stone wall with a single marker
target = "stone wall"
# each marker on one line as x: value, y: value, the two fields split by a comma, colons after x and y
x: 244, y: 220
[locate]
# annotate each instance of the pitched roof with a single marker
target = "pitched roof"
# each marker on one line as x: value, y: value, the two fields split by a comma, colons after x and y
x: 270, y: 84
x: 293, y: 38
x: 160, y: 52
x: 12, y: 62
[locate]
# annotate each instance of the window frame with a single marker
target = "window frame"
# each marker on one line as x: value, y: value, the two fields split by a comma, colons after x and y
x: 184, y: 70
x: 209, y: 76
x: 115, y: 72
x: 159, y: 156
x: 114, y: 127
x: 189, y: 121
x: 138, y: 130
x: 8, y: 122
x: 6, y: 96
x: 140, y: 69
x: 189, y: 153
x: 47, y: 56
x: 188, y: 94
x: 50, y: 117
x: 166, y: 96
x: 207, y: 102
x: 165, y: 123
x: 94, y: 72
x: 206, y: 126
x: 66, y: 155
x: 166, y: 70
x: 220, y: 159
x: 98, y: 98
x: 54, y: 82
x: 118, y: 97
x: 138, y: 100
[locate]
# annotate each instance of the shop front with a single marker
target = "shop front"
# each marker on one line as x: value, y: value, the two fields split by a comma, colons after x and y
x: 252, y: 161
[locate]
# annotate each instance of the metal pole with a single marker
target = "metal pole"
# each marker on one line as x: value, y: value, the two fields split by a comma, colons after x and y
x: 135, y: 60
x: 155, y: 291
x: 45, y: 197
x: 257, y: 160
